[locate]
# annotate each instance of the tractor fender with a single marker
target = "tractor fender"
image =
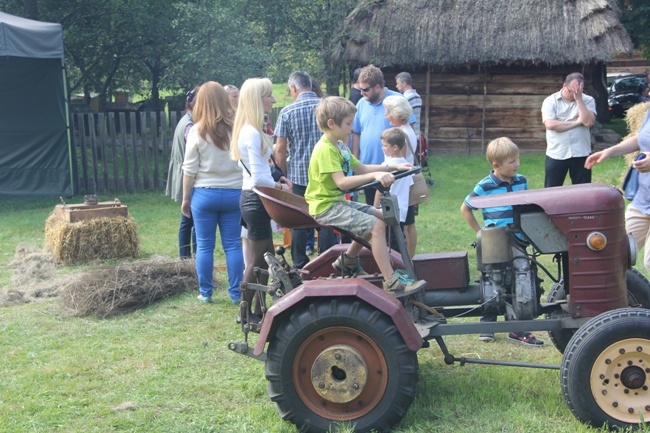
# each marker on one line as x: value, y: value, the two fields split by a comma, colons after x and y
x: 333, y: 288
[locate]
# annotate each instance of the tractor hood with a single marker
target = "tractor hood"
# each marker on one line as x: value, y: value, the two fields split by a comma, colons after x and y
x: 560, y: 200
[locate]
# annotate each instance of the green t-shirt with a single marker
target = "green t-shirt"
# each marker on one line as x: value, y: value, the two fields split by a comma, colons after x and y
x: 327, y: 158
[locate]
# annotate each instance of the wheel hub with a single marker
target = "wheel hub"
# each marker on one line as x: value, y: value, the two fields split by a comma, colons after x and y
x: 620, y: 380
x: 339, y: 373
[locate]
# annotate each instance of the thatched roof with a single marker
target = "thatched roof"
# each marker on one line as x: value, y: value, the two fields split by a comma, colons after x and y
x: 451, y: 33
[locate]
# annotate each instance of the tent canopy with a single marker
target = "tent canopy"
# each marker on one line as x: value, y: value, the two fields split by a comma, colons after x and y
x: 21, y: 37
x: 34, y: 140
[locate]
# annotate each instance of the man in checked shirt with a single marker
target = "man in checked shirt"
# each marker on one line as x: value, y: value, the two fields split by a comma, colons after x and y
x: 297, y: 133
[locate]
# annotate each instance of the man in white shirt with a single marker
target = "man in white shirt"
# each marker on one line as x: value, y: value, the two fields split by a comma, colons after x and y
x: 567, y: 116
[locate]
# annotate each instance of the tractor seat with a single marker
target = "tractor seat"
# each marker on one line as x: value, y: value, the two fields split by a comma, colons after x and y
x: 291, y: 211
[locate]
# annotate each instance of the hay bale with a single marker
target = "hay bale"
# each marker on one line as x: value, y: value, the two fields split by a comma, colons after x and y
x: 634, y: 117
x: 98, y: 238
x: 112, y: 290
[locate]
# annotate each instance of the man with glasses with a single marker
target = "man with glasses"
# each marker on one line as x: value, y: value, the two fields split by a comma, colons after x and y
x: 297, y: 133
x: 370, y: 121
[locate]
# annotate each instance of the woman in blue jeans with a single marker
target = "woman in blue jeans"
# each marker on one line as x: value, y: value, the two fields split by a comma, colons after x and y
x: 212, y: 189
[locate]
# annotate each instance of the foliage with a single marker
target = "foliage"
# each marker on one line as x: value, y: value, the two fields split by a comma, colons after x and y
x: 303, y: 34
x: 173, y: 44
x: 635, y: 18
x: 111, y: 44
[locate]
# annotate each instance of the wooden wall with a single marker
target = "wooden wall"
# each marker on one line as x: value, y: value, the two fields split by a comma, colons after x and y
x: 470, y: 107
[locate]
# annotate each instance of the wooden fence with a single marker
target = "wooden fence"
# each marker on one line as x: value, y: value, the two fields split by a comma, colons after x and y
x: 123, y: 152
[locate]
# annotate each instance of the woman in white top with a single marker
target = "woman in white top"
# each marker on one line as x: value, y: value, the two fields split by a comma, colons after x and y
x: 211, y: 189
x: 252, y: 148
x: 398, y: 111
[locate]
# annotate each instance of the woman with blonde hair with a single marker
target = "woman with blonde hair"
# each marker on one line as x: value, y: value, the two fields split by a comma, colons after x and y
x: 252, y: 148
x: 211, y: 189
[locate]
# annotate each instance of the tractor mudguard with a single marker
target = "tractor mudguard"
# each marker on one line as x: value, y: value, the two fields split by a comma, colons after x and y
x: 333, y: 288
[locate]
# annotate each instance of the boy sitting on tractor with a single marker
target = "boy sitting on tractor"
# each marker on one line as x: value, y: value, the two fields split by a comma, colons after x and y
x: 330, y: 161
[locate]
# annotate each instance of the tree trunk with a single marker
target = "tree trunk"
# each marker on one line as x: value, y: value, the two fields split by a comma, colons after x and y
x: 599, y: 81
x: 31, y: 9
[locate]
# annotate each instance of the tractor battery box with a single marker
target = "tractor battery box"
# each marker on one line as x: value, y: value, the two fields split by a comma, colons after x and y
x: 443, y: 270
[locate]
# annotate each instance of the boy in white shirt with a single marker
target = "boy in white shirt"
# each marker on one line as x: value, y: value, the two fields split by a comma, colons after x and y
x: 393, y: 144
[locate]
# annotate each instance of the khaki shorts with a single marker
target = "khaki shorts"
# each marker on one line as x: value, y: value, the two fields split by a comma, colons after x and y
x: 351, y: 216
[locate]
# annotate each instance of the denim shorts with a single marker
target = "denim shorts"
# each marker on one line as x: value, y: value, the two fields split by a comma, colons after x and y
x: 351, y: 216
x: 254, y: 217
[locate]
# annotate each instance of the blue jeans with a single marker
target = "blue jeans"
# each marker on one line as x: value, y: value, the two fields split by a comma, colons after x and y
x: 186, y: 238
x: 212, y: 207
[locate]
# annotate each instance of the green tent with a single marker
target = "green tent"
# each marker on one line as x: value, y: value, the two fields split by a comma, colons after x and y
x: 34, y: 141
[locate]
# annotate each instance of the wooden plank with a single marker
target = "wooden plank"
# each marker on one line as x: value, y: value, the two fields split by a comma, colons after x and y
x: 82, y: 212
x: 125, y: 153
x: 145, y: 159
x: 74, y: 154
x: 93, y: 145
x: 452, y: 133
x: 166, y: 146
x: 154, y: 150
x: 102, y: 149
x: 439, y: 90
x: 473, y: 146
x: 82, y: 147
x: 134, y: 146
x: 113, y: 143
x: 476, y: 100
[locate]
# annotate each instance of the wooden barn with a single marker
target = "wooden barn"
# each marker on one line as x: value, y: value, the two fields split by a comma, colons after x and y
x: 483, y: 67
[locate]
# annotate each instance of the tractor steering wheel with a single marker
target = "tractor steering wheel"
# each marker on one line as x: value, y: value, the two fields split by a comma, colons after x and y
x: 376, y: 184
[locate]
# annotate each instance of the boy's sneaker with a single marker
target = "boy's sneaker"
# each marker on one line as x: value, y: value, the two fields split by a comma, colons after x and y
x: 525, y: 338
x: 400, y: 284
x: 309, y: 251
x: 486, y: 337
x: 347, y: 266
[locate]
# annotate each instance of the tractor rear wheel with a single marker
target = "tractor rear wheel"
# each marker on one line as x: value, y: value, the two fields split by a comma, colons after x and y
x: 605, y: 372
x: 337, y: 361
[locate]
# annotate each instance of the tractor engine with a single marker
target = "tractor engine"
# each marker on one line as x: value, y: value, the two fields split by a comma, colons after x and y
x: 509, y: 283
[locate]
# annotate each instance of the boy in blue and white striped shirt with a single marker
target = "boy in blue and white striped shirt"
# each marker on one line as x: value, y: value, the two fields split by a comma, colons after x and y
x: 503, y: 156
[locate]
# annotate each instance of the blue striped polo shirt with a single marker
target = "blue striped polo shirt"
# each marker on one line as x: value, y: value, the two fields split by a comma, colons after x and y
x: 500, y: 216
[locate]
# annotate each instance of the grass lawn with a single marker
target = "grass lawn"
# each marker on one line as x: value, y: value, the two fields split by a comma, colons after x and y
x: 166, y: 368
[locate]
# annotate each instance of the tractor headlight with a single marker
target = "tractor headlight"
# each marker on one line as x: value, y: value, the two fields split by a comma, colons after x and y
x: 596, y: 241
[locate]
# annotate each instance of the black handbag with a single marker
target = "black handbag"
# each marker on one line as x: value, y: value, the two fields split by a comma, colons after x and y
x: 276, y: 171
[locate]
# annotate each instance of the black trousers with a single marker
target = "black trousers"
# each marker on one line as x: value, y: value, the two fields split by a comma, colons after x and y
x: 557, y: 169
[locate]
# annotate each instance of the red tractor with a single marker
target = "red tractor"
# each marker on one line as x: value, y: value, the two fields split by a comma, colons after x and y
x: 338, y: 348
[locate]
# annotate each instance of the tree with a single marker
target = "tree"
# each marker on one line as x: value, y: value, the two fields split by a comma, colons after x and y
x: 635, y: 17
x: 303, y: 34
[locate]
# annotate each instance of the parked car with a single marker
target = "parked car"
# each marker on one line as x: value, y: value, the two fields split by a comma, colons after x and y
x: 624, y: 92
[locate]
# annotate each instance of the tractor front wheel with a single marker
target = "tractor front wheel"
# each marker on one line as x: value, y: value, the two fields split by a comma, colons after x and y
x: 340, y: 360
x: 605, y: 370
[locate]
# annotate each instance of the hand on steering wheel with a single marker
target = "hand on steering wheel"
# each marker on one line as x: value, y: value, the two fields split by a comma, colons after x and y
x: 378, y: 185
